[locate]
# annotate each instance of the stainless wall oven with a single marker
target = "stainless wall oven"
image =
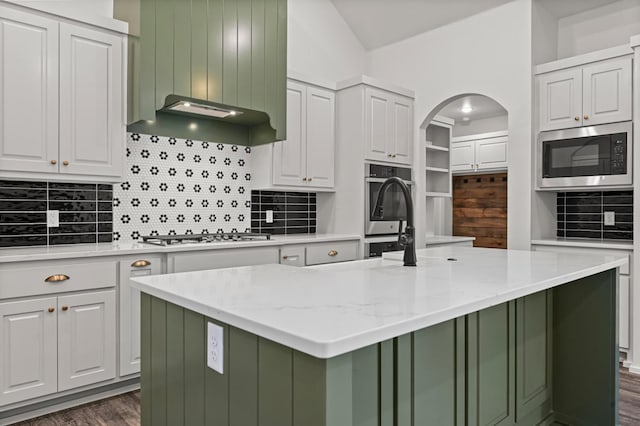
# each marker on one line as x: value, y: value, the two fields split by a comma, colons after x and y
x: 596, y: 156
x: 394, y: 205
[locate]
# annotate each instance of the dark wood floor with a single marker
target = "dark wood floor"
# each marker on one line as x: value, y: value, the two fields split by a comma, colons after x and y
x: 124, y: 410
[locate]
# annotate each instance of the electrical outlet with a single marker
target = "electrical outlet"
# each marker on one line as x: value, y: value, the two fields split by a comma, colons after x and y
x: 609, y: 218
x: 215, y: 347
x: 269, y: 216
x: 53, y: 218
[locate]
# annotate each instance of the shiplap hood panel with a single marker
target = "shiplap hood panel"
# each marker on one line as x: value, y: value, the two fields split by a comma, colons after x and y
x: 230, y: 54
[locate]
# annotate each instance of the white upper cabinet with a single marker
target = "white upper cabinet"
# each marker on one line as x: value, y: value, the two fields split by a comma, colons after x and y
x: 585, y: 96
x: 307, y: 158
x: 474, y: 153
x: 389, y: 127
x: 62, y: 114
x: 91, y: 118
x: 29, y: 87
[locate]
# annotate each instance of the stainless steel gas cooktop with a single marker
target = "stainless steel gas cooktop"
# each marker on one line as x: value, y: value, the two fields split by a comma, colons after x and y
x: 166, y: 240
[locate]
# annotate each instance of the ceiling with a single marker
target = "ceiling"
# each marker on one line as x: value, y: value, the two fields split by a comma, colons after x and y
x: 377, y: 23
x: 483, y: 107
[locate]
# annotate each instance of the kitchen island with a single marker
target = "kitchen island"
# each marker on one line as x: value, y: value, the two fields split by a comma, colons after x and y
x: 469, y: 336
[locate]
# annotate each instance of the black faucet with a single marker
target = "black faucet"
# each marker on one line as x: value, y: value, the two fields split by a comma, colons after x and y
x: 406, y: 240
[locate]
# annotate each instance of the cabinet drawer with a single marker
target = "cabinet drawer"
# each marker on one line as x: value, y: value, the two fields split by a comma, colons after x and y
x: 624, y: 269
x: 332, y: 252
x: 221, y: 258
x: 29, y: 278
x: 292, y: 256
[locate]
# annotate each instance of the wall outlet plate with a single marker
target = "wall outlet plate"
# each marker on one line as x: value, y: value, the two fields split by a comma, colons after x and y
x: 53, y: 218
x: 609, y: 218
x: 215, y: 347
x: 269, y: 216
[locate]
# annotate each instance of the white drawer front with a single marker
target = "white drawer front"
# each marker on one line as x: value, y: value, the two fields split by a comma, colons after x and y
x: 624, y: 269
x: 29, y: 279
x: 215, y: 259
x: 292, y: 256
x: 318, y: 254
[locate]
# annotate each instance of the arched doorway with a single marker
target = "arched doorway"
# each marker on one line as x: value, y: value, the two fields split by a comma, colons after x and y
x: 465, y: 163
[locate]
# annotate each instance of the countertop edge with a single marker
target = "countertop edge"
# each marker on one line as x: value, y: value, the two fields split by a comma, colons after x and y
x: 585, y: 244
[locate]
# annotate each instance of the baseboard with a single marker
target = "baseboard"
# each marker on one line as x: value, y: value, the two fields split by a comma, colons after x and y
x: 70, y: 401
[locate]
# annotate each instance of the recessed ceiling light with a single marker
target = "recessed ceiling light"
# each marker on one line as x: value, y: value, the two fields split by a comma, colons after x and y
x: 466, y: 109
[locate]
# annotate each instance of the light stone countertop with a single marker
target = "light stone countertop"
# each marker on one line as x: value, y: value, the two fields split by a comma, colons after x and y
x: 22, y: 254
x: 576, y: 242
x: 446, y: 239
x: 333, y: 309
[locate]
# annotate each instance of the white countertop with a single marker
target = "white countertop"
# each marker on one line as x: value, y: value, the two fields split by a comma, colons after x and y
x: 569, y: 242
x: 21, y: 254
x: 332, y: 309
x: 446, y: 239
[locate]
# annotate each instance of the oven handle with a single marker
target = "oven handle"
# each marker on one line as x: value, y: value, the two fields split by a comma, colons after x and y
x: 381, y: 180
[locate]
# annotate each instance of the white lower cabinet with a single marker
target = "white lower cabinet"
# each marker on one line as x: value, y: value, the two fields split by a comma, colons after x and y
x: 55, y: 344
x: 129, y: 309
x: 319, y: 253
x: 28, y: 355
x: 86, y: 339
x: 215, y: 259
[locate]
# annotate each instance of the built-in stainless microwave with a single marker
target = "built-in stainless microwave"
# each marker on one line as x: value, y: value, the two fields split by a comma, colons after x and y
x: 585, y: 157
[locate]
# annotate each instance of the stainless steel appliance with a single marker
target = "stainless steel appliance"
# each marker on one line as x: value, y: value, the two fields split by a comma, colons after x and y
x: 596, y: 156
x: 166, y: 240
x: 375, y: 249
x: 394, y: 203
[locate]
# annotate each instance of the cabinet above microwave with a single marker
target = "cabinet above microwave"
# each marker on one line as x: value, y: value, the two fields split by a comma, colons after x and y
x: 587, y: 157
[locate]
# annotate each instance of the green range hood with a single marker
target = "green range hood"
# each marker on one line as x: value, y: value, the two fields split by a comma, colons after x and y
x: 215, y: 57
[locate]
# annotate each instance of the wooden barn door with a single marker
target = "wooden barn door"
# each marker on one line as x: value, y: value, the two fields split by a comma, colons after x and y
x: 480, y: 209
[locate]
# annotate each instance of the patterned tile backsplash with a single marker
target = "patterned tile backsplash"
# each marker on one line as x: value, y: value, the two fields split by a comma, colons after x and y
x: 293, y: 212
x: 581, y: 215
x: 177, y: 186
x: 84, y: 213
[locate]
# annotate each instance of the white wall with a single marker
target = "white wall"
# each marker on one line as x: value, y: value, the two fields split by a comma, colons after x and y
x: 595, y: 29
x: 488, y: 54
x: 485, y: 125
x: 545, y: 34
x: 319, y: 42
x: 71, y: 7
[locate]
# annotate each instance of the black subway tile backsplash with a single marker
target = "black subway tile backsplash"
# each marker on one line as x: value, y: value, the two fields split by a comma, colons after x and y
x: 581, y: 215
x: 293, y: 212
x: 84, y: 213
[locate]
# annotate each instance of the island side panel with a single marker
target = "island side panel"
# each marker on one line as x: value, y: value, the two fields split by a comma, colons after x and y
x: 585, y: 351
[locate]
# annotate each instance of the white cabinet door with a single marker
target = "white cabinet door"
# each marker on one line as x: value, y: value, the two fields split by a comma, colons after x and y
x: 86, y: 339
x: 92, y: 126
x: 29, y: 87
x: 289, y: 156
x: 560, y: 99
x: 491, y: 153
x: 402, y: 125
x: 28, y: 351
x: 378, y: 134
x: 607, y: 92
x: 320, y: 137
x: 129, y: 309
x: 623, y: 312
x: 463, y: 156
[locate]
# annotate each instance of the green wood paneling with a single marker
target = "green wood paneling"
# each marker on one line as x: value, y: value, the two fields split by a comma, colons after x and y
x: 387, y: 383
x: 533, y: 352
x: 215, y: 42
x: 309, y: 390
x: 461, y: 371
x: 243, y: 378
x: 231, y: 39
x: 182, y: 47
x: 145, y: 359
x: 217, y: 386
x: 585, y: 351
x: 271, y: 57
x: 158, y: 362
x: 404, y: 382
x: 434, y: 375
x: 365, y: 386
x: 339, y: 387
x: 258, y: 80
x: 164, y: 51
x: 175, y: 363
x: 275, y: 390
x: 147, y: 69
x: 195, y: 336
x: 199, y: 37
x: 244, y: 53
x: 278, y: 112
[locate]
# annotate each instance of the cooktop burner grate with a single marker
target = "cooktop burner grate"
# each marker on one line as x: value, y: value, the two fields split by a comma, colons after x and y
x: 166, y: 240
